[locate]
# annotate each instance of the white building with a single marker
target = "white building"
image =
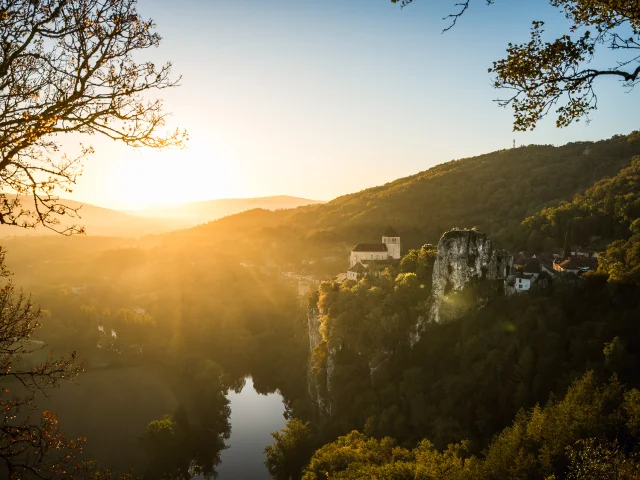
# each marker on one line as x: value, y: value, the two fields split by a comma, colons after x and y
x: 389, y: 248
x: 357, y: 271
x: 523, y: 282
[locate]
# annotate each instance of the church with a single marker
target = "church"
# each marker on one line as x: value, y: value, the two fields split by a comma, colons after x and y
x: 365, y: 253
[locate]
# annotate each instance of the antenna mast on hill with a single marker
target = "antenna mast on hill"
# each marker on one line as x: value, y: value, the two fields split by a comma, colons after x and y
x: 514, y: 143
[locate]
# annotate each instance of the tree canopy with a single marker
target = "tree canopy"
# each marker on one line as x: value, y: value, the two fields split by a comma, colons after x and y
x: 28, y: 446
x: 558, y: 75
x: 71, y: 67
x: 590, y: 434
x: 65, y: 67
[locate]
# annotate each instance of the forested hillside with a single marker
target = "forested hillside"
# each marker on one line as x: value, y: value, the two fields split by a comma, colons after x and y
x: 604, y: 212
x: 494, y: 192
x: 478, y: 397
x: 588, y: 435
x: 604, y: 217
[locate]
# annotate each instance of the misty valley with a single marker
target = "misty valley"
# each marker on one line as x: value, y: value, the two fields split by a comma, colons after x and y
x: 166, y: 338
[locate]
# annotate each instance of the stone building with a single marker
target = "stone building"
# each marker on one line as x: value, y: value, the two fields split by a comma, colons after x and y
x: 357, y: 271
x: 389, y: 248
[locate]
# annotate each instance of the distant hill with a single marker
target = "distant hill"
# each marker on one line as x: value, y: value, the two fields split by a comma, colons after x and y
x: 100, y: 221
x: 201, y: 212
x: 494, y: 192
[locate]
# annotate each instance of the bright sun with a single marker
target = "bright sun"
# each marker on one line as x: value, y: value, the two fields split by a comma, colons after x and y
x: 132, y: 179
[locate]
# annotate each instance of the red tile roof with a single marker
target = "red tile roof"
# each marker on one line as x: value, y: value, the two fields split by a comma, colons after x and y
x: 532, y: 266
x: 578, y: 262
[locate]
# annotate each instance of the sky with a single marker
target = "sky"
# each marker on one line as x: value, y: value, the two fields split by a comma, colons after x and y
x: 320, y: 98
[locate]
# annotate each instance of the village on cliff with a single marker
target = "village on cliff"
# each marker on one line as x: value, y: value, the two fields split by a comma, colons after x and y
x: 472, y: 259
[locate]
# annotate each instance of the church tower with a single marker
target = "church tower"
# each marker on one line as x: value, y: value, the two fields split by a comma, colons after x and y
x: 392, y: 240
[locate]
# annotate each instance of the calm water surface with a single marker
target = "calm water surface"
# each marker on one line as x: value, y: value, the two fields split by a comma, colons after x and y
x: 253, y: 418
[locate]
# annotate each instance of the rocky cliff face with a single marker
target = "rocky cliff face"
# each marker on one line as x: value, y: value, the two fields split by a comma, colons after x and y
x: 313, y: 327
x: 318, y: 387
x: 465, y: 257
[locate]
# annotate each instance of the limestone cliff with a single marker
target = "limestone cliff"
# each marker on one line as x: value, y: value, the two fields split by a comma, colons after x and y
x: 318, y: 386
x: 465, y: 257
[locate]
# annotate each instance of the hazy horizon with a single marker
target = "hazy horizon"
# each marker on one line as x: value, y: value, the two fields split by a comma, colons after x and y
x: 141, y: 208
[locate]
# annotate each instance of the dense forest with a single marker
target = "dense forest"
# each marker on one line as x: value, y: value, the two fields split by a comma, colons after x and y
x: 587, y: 435
x: 478, y: 397
x: 523, y: 348
x: 533, y: 386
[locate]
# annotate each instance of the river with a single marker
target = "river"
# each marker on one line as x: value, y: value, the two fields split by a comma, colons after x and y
x: 253, y: 418
x: 112, y: 407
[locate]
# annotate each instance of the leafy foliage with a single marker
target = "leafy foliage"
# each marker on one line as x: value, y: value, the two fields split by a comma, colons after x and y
x: 588, y: 434
x: 541, y: 76
x: 466, y: 379
x: 607, y: 211
x: 291, y: 447
x: 70, y: 67
x: 189, y: 442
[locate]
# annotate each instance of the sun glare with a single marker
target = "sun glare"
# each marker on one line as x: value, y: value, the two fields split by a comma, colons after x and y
x: 169, y: 177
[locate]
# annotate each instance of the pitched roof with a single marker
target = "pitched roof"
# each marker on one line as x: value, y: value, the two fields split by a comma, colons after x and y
x: 370, y: 247
x: 375, y: 262
x: 390, y: 232
x: 545, y: 257
x: 520, y: 260
x: 523, y: 275
x: 548, y: 266
x: 532, y: 266
x: 358, y: 268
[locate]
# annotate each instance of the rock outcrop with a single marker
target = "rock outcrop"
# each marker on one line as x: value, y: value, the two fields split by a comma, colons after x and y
x: 465, y: 257
x: 315, y: 338
x: 319, y: 386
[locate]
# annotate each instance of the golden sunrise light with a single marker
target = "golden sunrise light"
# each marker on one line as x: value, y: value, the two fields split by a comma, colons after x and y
x: 319, y: 240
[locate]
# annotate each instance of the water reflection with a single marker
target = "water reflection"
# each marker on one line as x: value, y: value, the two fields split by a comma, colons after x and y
x: 253, y: 418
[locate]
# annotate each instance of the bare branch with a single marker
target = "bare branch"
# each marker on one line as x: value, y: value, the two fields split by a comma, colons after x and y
x: 69, y: 67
